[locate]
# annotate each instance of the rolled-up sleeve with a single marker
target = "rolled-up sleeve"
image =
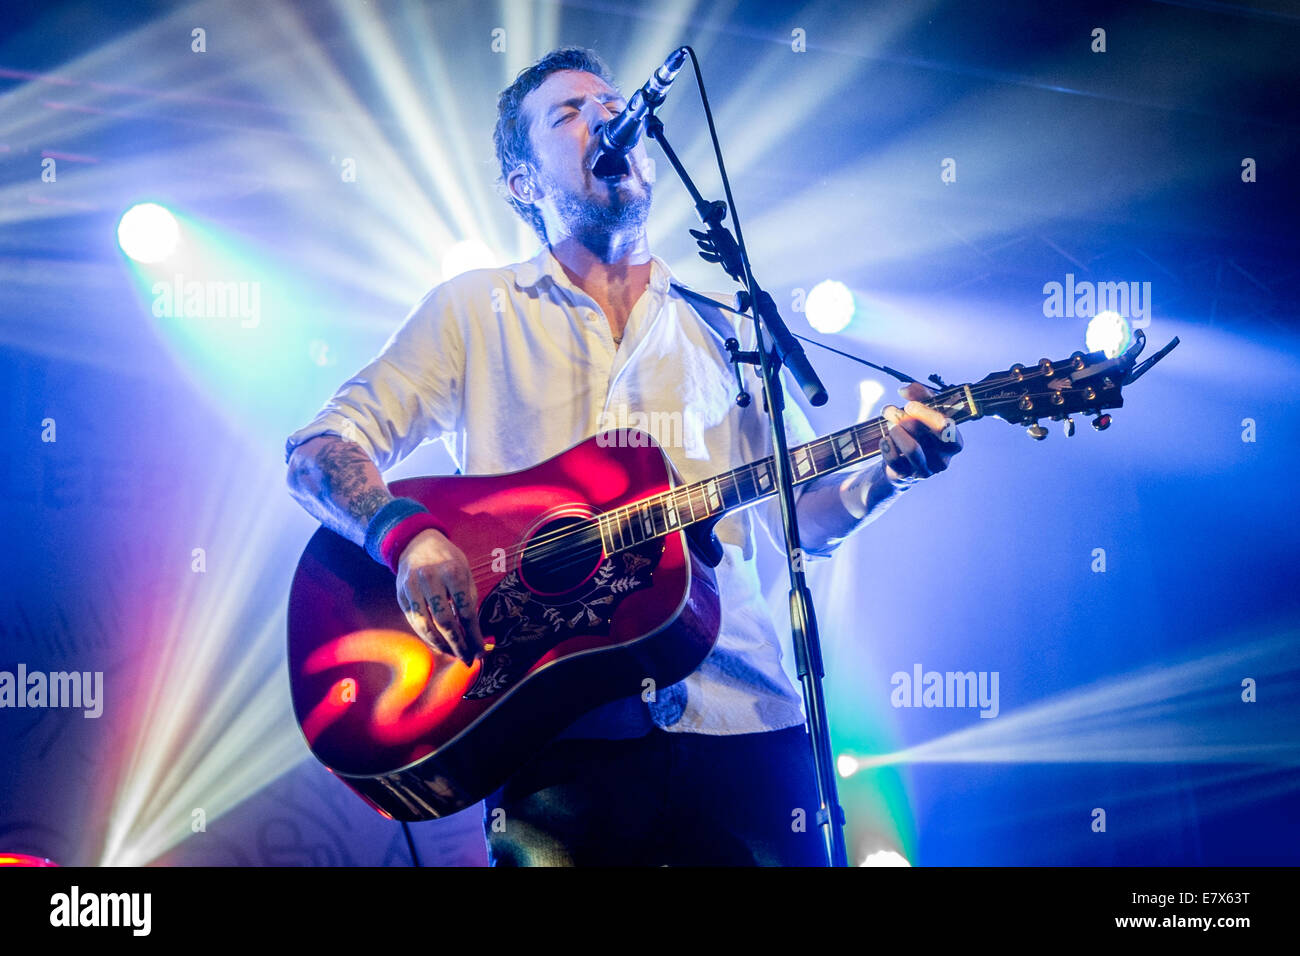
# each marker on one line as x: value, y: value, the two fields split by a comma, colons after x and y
x: 411, y: 391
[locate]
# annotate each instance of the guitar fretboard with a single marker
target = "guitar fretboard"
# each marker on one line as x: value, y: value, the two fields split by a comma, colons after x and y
x: 685, y: 505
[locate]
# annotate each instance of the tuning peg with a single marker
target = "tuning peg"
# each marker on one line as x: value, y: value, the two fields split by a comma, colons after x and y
x: 1101, y: 422
x: 1068, y: 425
x: 1037, y: 432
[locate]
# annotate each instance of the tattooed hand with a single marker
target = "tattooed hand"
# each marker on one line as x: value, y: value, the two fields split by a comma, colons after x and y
x: 437, y: 594
x: 336, y: 481
x: 920, y: 442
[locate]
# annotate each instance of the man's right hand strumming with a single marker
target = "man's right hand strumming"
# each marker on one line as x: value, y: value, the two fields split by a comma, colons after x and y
x: 338, y: 483
x: 436, y: 592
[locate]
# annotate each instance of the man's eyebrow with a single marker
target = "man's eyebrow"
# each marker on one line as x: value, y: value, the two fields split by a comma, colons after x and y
x: 575, y: 102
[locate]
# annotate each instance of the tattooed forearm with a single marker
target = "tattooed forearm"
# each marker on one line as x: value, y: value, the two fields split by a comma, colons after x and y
x: 338, y: 484
x: 364, y: 505
x: 347, y: 479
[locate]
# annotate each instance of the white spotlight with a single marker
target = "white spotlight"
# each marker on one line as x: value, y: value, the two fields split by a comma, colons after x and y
x: 885, y: 858
x: 148, y: 233
x: 1109, y: 332
x: 870, y: 392
x: 830, y: 306
x: 466, y: 255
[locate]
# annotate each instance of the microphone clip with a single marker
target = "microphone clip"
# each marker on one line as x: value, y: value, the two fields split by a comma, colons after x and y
x: 717, y: 244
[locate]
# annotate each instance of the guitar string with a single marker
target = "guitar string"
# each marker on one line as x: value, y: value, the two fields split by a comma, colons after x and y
x: 547, y: 545
x: 625, y: 512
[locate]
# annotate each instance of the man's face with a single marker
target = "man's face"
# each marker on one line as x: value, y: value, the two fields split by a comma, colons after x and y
x: 564, y: 117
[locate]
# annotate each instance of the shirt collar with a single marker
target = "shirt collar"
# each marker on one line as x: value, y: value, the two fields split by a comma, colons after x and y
x: 544, y: 267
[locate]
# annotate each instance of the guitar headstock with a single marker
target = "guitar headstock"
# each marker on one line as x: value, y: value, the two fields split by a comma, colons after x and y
x: 1085, y: 383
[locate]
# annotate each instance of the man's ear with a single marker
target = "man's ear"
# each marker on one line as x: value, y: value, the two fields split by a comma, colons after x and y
x: 523, y: 185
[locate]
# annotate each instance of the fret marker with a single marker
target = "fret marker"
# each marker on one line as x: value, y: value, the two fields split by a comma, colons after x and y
x: 672, y: 513
x: 802, y: 463
x: 712, y: 495
x: 765, y: 478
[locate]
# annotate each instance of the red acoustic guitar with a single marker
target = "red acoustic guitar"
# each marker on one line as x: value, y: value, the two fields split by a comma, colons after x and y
x: 594, y: 573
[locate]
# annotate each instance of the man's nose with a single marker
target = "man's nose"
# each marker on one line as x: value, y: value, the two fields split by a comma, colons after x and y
x: 599, y: 116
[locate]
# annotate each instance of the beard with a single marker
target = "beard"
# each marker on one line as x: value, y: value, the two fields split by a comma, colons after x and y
x: 595, y: 223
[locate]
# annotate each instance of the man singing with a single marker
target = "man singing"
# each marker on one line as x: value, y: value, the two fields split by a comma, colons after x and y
x: 514, y: 365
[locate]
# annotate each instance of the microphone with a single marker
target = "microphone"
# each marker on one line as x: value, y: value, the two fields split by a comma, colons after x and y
x: 624, y: 131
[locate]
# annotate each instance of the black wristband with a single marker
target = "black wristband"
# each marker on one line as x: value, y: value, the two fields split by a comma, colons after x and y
x: 386, y: 519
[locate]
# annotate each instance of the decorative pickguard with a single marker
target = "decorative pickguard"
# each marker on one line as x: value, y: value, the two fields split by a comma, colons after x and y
x: 524, y: 625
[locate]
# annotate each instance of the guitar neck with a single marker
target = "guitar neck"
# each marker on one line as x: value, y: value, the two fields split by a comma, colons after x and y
x: 710, y: 499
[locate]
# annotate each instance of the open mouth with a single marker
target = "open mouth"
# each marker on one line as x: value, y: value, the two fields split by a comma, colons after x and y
x: 609, y: 168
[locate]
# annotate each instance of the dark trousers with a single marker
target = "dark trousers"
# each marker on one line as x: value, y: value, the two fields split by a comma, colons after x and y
x: 675, y: 799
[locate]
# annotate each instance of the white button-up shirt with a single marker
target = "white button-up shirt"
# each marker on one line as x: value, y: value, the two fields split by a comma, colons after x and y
x: 511, y: 366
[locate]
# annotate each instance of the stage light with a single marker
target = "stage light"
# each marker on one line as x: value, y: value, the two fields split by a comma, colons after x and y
x: 25, y: 859
x: 148, y: 233
x: 846, y: 765
x: 212, y: 723
x: 1161, y: 715
x: 466, y: 255
x: 1109, y: 332
x: 885, y: 858
x: 870, y: 392
x: 830, y: 306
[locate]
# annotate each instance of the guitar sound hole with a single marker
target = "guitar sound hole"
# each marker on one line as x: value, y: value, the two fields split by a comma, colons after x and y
x: 560, y: 556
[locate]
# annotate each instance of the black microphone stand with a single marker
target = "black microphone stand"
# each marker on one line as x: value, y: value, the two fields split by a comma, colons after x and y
x: 720, y: 246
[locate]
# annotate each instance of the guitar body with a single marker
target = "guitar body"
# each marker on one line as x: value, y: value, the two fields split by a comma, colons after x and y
x: 594, y: 575
x: 420, y: 735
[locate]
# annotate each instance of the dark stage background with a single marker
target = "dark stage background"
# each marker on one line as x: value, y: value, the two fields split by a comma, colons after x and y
x: 1135, y: 591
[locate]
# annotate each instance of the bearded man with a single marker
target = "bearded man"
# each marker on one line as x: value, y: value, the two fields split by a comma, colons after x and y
x: 513, y: 365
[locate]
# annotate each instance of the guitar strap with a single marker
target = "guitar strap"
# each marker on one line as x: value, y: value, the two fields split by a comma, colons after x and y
x: 700, y: 535
x: 710, y: 311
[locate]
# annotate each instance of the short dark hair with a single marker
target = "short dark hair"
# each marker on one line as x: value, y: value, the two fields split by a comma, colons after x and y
x: 510, y: 137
